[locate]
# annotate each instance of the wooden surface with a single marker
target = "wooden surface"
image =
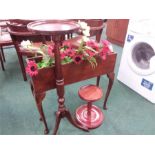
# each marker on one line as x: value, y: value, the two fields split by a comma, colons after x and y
x: 90, y: 93
x: 89, y: 116
x: 53, y: 27
x: 57, y: 29
x: 59, y: 76
x: 103, y: 67
x: 116, y: 30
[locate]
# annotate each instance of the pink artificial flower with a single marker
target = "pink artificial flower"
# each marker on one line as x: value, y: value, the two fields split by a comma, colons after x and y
x: 105, y: 49
x: 104, y: 52
x: 77, y: 58
x: 32, y: 68
x: 105, y: 42
x: 103, y: 55
x: 50, y: 50
x: 93, y: 44
x: 106, y: 46
x: 70, y: 52
x: 90, y: 53
x: 62, y: 56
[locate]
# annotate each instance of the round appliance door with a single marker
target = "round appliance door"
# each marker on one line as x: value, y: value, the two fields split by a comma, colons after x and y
x: 141, y: 58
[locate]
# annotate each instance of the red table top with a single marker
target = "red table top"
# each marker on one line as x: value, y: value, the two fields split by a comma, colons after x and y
x: 90, y: 93
x: 53, y: 27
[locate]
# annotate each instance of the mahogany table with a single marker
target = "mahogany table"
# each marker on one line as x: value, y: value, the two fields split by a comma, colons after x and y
x: 57, y: 29
x: 59, y: 75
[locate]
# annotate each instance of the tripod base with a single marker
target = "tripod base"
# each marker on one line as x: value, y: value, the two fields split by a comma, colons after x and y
x: 66, y: 113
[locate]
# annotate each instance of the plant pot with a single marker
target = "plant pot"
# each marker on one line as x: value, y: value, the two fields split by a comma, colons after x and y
x: 45, y: 79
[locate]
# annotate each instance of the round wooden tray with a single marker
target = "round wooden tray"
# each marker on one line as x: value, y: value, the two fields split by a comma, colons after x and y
x: 53, y: 26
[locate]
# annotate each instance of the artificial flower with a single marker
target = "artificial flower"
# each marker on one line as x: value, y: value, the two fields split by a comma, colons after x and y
x: 86, y: 32
x: 107, y: 45
x: 25, y: 44
x: 85, y: 38
x: 83, y: 25
x: 32, y: 68
x: 93, y: 44
x: 77, y: 58
x: 62, y: 55
x: 105, y: 42
x: 90, y: 53
x: 85, y: 28
x: 50, y: 50
x: 70, y: 52
x: 103, y: 55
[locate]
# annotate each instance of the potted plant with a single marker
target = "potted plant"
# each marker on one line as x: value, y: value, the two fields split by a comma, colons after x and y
x: 89, y: 60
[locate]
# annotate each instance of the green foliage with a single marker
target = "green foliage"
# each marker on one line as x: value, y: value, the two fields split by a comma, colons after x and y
x: 66, y: 60
x: 44, y: 63
x: 93, y: 62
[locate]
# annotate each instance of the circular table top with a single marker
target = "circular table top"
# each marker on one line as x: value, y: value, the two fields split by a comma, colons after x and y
x: 53, y: 27
x: 90, y: 93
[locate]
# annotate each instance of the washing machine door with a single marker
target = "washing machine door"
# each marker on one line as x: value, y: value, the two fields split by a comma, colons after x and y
x: 141, y: 58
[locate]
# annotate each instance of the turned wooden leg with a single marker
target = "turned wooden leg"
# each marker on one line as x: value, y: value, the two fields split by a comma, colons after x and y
x: 3, y: 56
x: 1, y: 60
x: 111, y: 80
x: 69, y: 36
x: 98, y: 35
x: 98, y: 80
x: 98, y: 38
x: 39, y: 98
x: 57, y: 122
x: 21, y: 62
x: 32, y: 90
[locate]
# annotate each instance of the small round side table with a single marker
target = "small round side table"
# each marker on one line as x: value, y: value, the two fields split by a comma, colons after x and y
x: 90, y: 115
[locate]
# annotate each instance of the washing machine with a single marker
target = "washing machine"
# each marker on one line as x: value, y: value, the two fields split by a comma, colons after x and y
x: 137, y: 66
